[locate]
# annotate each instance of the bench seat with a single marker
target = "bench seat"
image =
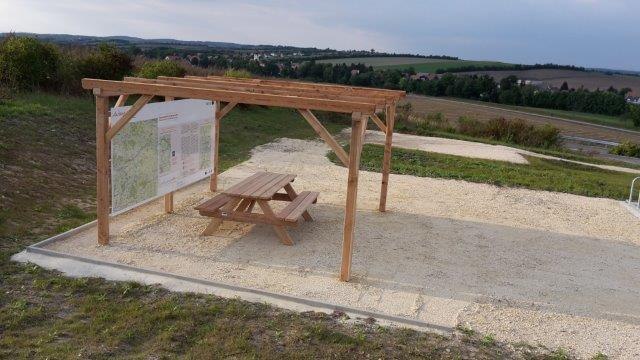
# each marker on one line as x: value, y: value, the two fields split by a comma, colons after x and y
x: 299, y: 205
x: 211, y: 206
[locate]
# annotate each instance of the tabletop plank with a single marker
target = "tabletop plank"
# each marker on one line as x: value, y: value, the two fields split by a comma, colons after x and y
x: 261, y: 185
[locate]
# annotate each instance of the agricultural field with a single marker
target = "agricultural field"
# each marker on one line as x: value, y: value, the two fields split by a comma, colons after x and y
x: 575, y: 79
x: 576, y: 124
x: 417, y: 63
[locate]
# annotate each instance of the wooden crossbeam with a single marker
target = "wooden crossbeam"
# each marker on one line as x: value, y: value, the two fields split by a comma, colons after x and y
x: 378, y: 122
x: 263, y: 89
x: 371, y: 93
x: 222, y: 113
x: 325, y: 135
x: 124, y: 120
x: 393, y: 94
x: 108, y: 87
x: 122, y: 99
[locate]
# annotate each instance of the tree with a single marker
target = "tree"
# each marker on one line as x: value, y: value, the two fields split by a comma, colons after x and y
x: 153, y: 69
x: 28, y: 64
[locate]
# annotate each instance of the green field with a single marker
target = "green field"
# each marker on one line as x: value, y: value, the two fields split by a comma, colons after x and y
x: 47, y: 153
x: 417, y: 63
x: 539, y: 174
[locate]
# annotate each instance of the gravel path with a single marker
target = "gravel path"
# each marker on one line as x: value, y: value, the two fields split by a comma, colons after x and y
x: 556, y: 269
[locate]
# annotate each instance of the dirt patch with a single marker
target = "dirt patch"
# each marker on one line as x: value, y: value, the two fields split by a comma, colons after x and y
x: 448, y: 252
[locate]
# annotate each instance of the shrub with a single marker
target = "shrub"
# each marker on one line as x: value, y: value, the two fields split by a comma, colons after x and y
x: 471, y: 127
x: 27, y: 64
x: 626, y: 148
x: 512, y: 131
x: 634, y: 113
x: 153, y: 69
x: 238, y: 73
x: 107, y: 62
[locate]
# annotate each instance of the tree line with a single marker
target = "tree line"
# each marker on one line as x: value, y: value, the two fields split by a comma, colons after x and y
x: 28, y: 64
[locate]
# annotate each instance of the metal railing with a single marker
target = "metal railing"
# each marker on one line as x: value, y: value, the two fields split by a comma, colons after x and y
x: 630, y: 201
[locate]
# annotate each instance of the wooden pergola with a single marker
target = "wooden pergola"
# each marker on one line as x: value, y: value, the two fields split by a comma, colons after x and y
x: 362, y: 103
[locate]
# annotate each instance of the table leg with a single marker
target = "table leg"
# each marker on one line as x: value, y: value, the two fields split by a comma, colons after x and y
x: 216, y: 222
x: 292, y: 195
x: 279, y: 229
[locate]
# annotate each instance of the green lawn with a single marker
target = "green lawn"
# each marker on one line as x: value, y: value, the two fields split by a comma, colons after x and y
x: 47, y: 174
x: 600, y: 119
x: 539, y: 174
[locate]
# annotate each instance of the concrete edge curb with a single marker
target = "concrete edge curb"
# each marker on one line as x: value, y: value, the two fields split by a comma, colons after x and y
x: 265, y: 296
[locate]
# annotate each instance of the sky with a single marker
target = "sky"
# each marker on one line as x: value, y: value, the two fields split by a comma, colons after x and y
x: 591, y: 33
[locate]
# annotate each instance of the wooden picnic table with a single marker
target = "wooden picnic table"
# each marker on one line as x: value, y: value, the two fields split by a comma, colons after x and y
x: 237, y: 204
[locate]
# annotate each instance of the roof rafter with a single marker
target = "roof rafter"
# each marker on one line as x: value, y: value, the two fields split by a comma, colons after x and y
x: 195, y: 91
x: 262, y: 89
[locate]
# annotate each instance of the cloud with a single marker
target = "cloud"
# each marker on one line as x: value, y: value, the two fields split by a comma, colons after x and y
x: 583, y: 32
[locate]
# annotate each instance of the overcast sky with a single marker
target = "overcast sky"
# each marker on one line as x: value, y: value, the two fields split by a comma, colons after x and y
x: 593, y: 33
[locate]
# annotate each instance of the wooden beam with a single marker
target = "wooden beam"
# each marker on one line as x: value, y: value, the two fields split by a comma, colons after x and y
x: 331, y: 94
x: 215, y: 139
x: 124, y: 120
x: 390, y: 115
x: 102, y: 169
x: 391, y: 94
x: 325, y: 135
x: 168, y: 198
x: 193, y: 92
x: 378, y: 122
x: 222, y: 113
x: 122, y: 99
x: 357, y: 122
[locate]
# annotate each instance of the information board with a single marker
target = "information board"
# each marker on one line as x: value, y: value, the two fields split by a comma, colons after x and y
x: 166, y: 146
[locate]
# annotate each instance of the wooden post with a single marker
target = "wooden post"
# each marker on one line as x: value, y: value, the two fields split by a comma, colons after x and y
x: 355, y: 146
x: 215, y: 137
x: 168, y: 198
x: 102, y: 168
x: 390, y: 115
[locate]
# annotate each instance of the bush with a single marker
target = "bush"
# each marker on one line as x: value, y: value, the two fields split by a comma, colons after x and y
x: 108, y: 62
x: 238, y: 73
x: 153, y: 69
x: 626, y: 148
x: 511, y: 131
x: 27, y: 64
x: 634, y: 113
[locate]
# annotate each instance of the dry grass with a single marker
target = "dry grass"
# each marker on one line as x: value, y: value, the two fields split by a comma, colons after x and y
x: 452, y: 110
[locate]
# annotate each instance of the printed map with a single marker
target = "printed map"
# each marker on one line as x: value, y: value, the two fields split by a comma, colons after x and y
x: 166, y: 146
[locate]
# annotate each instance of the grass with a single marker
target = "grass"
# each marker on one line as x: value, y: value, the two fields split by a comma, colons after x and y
x: 561, y: 152
x: 419, y: 64
x: 599, y: 119
x: 47, y: 181
x: 432, y: 67
x: 539, y: 174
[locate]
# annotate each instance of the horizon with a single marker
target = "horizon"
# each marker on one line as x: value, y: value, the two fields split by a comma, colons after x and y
x: 587, y: 33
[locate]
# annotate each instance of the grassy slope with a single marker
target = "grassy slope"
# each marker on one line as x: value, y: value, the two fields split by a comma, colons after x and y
x: 613, y: 121
x: 46, y: 315
x: 539, y: 174
x: 554, y: 151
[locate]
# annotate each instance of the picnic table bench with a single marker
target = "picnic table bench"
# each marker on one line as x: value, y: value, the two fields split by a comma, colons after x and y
x: 237, y: 204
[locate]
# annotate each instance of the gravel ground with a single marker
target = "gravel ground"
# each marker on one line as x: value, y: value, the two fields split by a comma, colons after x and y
x: 540, y: 267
